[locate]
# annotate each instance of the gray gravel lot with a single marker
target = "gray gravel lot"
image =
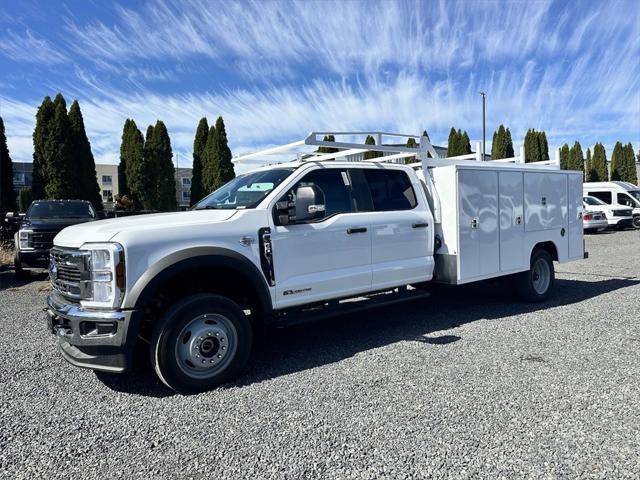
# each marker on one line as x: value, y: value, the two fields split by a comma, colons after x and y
x: 467, y: 383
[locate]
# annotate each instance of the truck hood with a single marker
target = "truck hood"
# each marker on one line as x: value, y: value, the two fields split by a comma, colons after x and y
x: 52, y: 224
x: 105, y: 230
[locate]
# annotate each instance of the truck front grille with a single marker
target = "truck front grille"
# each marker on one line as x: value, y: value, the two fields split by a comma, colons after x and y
x: 43, y: 240
x: 68, y: 272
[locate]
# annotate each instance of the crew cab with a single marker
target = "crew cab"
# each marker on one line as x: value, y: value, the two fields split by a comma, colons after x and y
x: 286, y: 241
x: 41, y: 223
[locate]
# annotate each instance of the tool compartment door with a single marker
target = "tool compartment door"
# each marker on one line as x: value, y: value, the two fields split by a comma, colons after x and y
x: 545, y: 198
x: 576, y: 229
x: 478, y: 224
x: 512, y: 254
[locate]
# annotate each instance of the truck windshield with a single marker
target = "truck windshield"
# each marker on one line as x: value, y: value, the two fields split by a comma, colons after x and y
x: 60, y: 210
x: 593, y: 201
x: 245, y: 191
x: 635, y: 194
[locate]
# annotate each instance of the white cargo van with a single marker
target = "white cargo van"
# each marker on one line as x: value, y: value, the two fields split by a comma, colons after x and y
x: 622, y: 195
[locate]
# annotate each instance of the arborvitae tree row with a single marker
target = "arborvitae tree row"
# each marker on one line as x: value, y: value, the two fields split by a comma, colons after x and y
x: 132, y: 171
x: 598, y: 170
x: 7, y: 195
x: 328, y: 138
x: 87, y: 187
x: 618, y: 162
x: 631, y: 174
x: 564, y: 156
x: 536, y: 147
x: 502, y: 145
x: 458, y: 143
x: 148, y: 187
x: 44, y: 118
x: 588, y: 171
x: 371, y: 154
x: 198, y: 191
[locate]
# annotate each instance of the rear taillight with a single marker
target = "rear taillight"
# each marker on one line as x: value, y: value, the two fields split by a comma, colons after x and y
x: 587, y: 216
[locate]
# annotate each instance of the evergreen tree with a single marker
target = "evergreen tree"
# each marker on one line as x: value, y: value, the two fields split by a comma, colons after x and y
x: 199, y: 143
x: 222, y: 155
x: 588, y: 169
x: 576, y: 158
x: 60, y: 166
x: 148, y: 187
x: 617, y: 162
x: 162, y: 157
x: 371, y: 154
x: 87, y: 186
x: 564, y: 156
x: 209, y: 168
x: 25, y: 197
x: 508, y: 145
x: 411, y: 143
x: 465, y: 144
x: 599, y: 164
x: 532, y: 146
x: 543, y: 145
x: 7, y: 194
x: 451, y: 143
x: 631, y: 174
x: 40, y: 135
x: 134, y: 177
x: 498, y: 143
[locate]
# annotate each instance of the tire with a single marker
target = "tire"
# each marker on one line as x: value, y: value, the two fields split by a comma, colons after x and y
x: 535, y: 285
x: 201, y: 342
x: 636, y: 222
x: 21, y: 273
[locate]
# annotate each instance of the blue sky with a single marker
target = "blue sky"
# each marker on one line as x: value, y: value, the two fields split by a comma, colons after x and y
x: 277, y: 70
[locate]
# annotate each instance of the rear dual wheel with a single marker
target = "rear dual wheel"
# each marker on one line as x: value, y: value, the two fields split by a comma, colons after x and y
x: 201, y: 342
x: 536, y: 284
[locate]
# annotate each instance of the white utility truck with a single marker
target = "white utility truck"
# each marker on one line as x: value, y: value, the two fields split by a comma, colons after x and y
x: 292, y: 241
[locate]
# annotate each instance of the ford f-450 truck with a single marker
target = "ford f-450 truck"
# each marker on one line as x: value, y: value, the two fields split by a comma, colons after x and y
x: 291, y: 239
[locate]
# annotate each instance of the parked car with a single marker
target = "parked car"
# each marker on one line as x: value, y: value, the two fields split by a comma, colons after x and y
x: 594, y: 221
x: 619, y: 195
x: 41, y: 223
x: 617, y: 217
x: 299, y: 240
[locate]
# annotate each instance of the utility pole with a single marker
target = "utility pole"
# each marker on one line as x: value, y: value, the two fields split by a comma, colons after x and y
x: 484, y: 133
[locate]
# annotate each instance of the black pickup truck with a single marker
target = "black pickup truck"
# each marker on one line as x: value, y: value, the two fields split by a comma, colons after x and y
x: 43, y: 220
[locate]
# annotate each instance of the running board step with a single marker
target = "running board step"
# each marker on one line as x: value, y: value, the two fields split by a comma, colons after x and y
x: 348, y: 306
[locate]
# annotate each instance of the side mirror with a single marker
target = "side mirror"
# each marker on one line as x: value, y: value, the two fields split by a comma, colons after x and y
x: 309, y: 203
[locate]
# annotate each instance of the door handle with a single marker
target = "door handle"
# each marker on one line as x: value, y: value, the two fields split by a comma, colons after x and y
x: 356, y: 230
x: 420, y: 225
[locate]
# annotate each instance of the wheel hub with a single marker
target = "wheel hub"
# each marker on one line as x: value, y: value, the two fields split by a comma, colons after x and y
x: 205, y: 345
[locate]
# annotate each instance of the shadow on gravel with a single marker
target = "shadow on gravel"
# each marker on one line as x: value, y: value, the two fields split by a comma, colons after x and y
x: 8, y: 279
x: 297, y: 348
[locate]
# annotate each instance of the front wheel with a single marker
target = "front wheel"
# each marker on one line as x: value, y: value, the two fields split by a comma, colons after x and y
x: 636, y: 221
x: 535, y: 284
x: 203, y: 341
x: 21, y: 273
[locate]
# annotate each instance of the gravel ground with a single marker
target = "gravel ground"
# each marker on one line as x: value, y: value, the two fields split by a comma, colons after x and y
x: 484, y: 387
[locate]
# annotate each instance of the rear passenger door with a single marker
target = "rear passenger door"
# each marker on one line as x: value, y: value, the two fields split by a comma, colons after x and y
x: 401, y: 229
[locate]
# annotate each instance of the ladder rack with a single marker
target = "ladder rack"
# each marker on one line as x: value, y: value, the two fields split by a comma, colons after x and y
x: 426, y: 155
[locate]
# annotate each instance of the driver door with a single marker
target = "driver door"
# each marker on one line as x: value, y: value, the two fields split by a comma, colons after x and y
x: 329, y: 256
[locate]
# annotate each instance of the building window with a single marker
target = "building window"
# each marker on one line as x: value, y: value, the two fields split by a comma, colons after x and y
x: 18, y: 178
x: 107, y: 196
x: 107, y: 179
x: 186, y: 196
x: 186, y: 182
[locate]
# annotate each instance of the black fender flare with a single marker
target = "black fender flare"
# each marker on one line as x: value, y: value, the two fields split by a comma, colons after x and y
x: 197, y: 257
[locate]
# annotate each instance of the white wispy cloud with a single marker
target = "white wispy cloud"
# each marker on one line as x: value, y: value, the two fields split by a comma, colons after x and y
x: 31, y: 48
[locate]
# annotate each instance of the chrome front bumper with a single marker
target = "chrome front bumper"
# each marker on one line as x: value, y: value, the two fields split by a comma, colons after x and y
x: 90, y: 338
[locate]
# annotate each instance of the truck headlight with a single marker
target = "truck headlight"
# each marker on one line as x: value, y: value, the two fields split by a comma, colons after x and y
x: 25, y: 239
x: 105, y: 285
